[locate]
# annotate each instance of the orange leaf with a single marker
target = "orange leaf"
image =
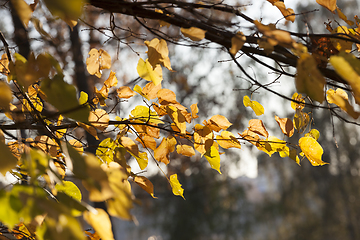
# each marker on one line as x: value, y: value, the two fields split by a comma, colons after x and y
x: 218, y: 122
x: 162, y: 152
x: 194, y: 111
x: 166, y: 96
x: 329, y: 4
x: 185, y: 150
x: 227, y: 140
x: 203, y: 138
x: 145, y: 184
x: 89, y: 129
x: 286, y: 125
x: 99, y: 119
x: 147, y: 141
x: 125, y: 92
x: 111, y: 81
x: 97, y: 60
x: 257, y: 126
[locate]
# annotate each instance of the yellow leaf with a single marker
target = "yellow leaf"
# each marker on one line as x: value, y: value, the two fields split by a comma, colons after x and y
x: 228, y: 140
x: 125, y: 92
x: 67, y: 10
x: 213, y: 157
x: 147, y: 141
x: 99, y: 119
x: 23, y: 10
x: 100, y: 221
x: 5, y: 95
x: 301, y: 121
x: 4, y: 64
x: 195, y: 34
x: 315, y: 134
x: 158, y: 53
x: 144, y: 114
x: 147, y: 72
x: 176, y: 186
x: 288, y: 13
x: 218, y: 122
x: 329, y: 4
x: 8, y: 161
x: 299, y: 98
x: 194, y: 111
x: 255, y: 106
x: 272, y: 145
x: 162, y: 152
x: 343, y: 16
x: 166, y: 96
x: 185, y: 150
x: 145, y: 184
x: 257, y: 126
x: 237, y: 42
x: 112, y: 80
x: 133, y: 149
x: 312, y: 150
x: 203, y: 138
x: 347, y: 66
x: 286, y: 125
x: 89, y: 129
x: 339, y: 44
x: 340, y: 98
x: 309, y: 79
x: 177, y: 117
x: 97, y: 61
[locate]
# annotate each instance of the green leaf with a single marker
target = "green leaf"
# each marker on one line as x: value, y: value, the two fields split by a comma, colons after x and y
x: 63, y: 96
x: 8, y: 161
x: 213, y: 157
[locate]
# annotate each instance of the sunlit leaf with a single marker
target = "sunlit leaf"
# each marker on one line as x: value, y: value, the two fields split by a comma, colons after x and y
x: 340, y: 98
x: 288, y: 13
x: 228, y: 140
x: 185, y: 150
x: 176, y: 186
x: 347, y: 66
x: 158, y: 53
x: 133, y: 149
x: 112, y: 80
x: 147, y: 72
x: 299, y: 98
x: 255, y: 106
x: 203, y: 138
x: 301, y: 121
x: 312, y: 150
x: 166, y: 96
x: 195, y: 34
x: 162, y: 152
x: 99, y: 119
x: 144, y: 114
x: 97, y: 61
x: 194, y: 111
x: 177, y: 117
x: 315, y: 134
x: 213, y: 157
x: 4, y: 64
x: 125, y: 92
x: 257, y: 126
x: 147, y: 141
x: 271, y: 145
x: 286, y: 125
x: 145, y: 184
x: 339, y: 44
x: 83, y: 98
x: 329, y: 4
x: 100, y: 221
x: 218, y: 122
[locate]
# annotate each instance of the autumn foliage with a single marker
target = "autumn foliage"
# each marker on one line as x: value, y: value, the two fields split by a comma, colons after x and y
x: 36, y: 96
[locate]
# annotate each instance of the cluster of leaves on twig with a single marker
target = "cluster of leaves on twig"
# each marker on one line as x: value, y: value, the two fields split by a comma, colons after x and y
x: 37, y: 97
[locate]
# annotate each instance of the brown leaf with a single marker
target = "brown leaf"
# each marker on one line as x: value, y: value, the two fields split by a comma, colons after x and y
x: 286, y: 125
x: 257, y: 126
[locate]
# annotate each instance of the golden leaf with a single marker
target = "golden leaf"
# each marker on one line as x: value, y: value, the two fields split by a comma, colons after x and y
x: 329, y: 4
x: 23, y: 10
x: 145, y: 184
x: 286, y: 125
x: 166, y: 96
x: 257, y: 126
x: 100, y: 221
x: 340, y: 98
x: 185, y: 150
x: 194, y: 110
x: 158, y: 53
x: 195, y: 34
x: 125, y: 92
x: 99, y: 119
x: 203, y: 138
x: 97, y: 61
x: 299, y: 98
x: 5, y: 95
x: 147, y: 72
x: 213, y: 157
x: 228, y: 140
x: 167, y: 145
x: 312, y: 150
x: 176, y: 186
x: 255, y: 106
